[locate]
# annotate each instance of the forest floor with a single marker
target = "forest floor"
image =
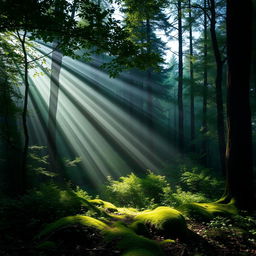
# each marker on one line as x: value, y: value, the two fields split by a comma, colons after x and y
x: 207, y: 240
x: 203, y: 240
x: 214, y: 239
x: 55, y: 222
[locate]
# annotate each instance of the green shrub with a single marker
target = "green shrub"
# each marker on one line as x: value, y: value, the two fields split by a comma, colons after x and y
x: 180, y: 197
x: 133, y: 191
x: 38, y: 207
x: 201, y: 181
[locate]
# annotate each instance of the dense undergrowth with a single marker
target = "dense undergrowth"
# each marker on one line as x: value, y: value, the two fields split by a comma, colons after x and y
x: 132, y: 216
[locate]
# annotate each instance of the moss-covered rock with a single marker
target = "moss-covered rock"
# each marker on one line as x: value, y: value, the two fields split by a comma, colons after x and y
x: 71, y: 221
x: 138, y: 252
x: 125, y: 238
x: 167, y: 242
x: 165, y: 220
x: 103, y: 204
x: 128, y: 211
x: 46, y: 245
x: 132, y: 244
x: 207, y: 211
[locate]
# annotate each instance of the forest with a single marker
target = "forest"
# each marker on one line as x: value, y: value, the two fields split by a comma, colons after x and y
x: 127, y: 127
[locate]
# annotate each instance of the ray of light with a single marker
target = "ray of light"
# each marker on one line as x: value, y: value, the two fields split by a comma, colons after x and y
x: 92, y: 125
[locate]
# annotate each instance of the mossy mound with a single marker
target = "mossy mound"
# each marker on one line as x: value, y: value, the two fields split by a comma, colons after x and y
x: 46, y: 245
x: 138, y: 252
x: 103, y: 204
x: 167, y: 241
x: 132, y: 244
x: 128, y: 211
x: 125, y: 238
x: 207, y: 211
x: 165, y: 220
x: 71, y: 221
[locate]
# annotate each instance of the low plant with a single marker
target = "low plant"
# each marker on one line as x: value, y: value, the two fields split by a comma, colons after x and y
x: 138, y: 192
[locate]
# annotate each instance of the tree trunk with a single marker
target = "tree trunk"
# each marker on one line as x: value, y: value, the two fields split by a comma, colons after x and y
x: 192, y: 84
x: 175, y: 118
x: 218, y: 87
x: 53, y: 101
x: 149, y: 79
x: 23, y: 174
x: 253, y: 73
x: 180, y: 81
x: 205, y: 91
x: 239, y: 146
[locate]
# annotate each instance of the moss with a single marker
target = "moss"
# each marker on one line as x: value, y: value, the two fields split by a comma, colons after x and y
x: 124, y: 214
x: 103, y: 204
x: 128, y: 211
x: 138, y: 252
x: 167, y: 241
x: 73, y: 220
x: 47, y: 245
x: 130, y: 243
x: 165, y: 220
x: 207, y: 211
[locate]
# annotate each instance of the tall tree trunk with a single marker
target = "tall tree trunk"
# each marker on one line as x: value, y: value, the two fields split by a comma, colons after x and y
x: 180, y: 81
x: 149, y: 79
x: 253, y: 73
x: 192, y: 82
x: 11, y: 150
x: 218, y: 87
x: 205, y: 91
x: 53, y: 101
x: 23, y: 174
x: 175, y: 118
x: 239, y: 146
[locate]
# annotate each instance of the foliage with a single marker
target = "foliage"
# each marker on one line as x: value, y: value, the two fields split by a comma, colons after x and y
x: 42, y: 205
x: 180, y: 197
x: 246, y: 222
x: 95, y: 30
x: 133, y: 191
x: 243, y: 223
x: 194, y: 180
x: 199, y: 180
x: 194, y: 185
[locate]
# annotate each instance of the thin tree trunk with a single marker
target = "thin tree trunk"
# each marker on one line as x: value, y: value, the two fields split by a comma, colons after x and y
x: 180, y: 81
x: 23, y: 174
x: 253, y: 73
x: 192, y: 84
x: 175, y: 118
x: 57, y: 57
x: 239, y: 146
x: 205, y: 91
x: 218, y: 87
x: 149, y: 79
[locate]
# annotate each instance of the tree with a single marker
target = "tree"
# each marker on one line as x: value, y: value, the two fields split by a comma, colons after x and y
x: 180, y: 79
x: 11, y: 148
x: 100, y: 33
x: 142, y: 20
x: 191, y: 67
x: 218, y: 83
x: 239, y: 146
x: 205, y: 89
x: 57, y: 57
